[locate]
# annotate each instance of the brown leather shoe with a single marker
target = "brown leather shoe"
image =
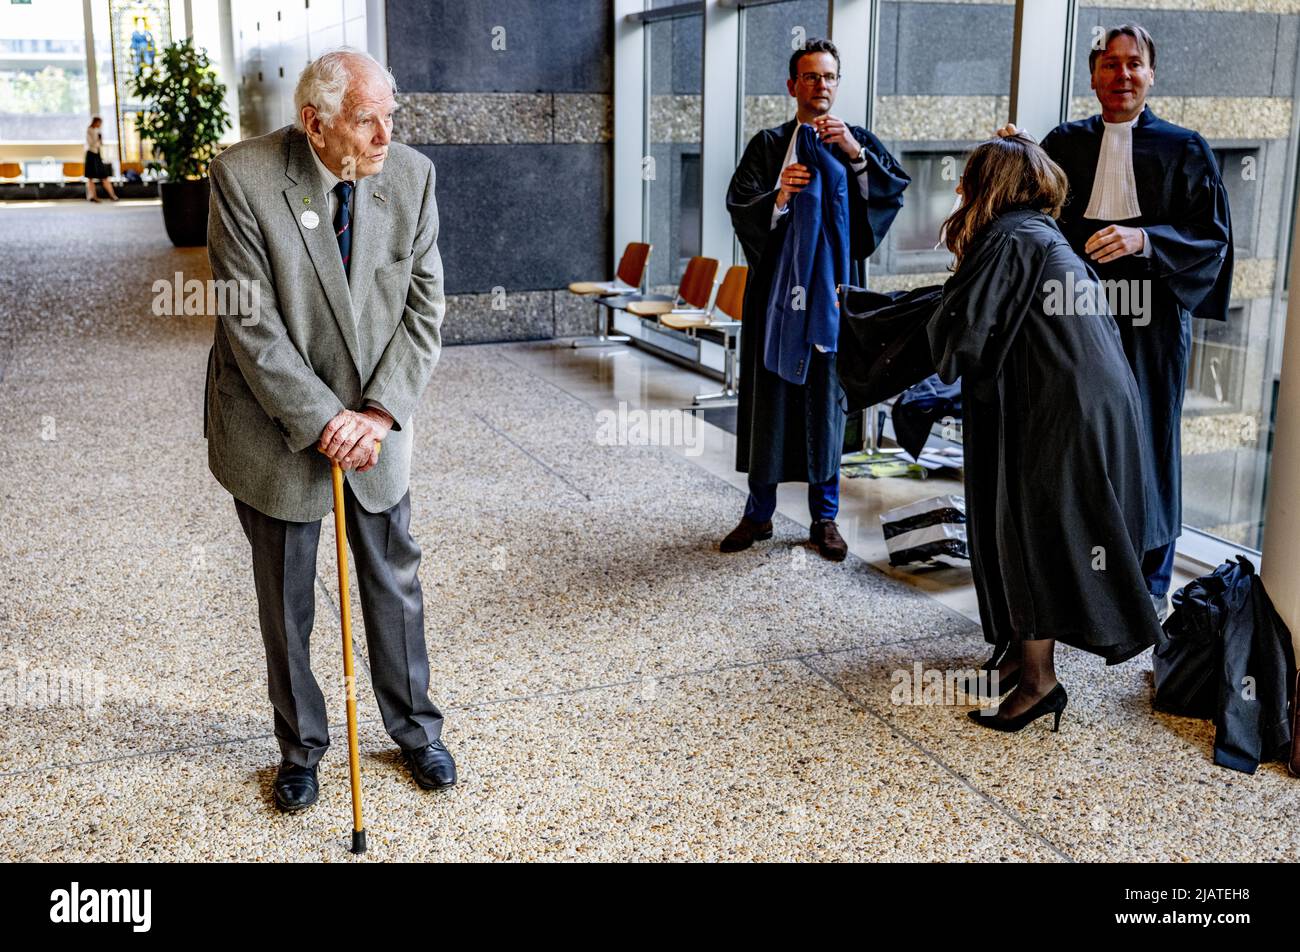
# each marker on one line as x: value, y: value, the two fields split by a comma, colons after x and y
x: 746, y: 534
x: 825, y: 534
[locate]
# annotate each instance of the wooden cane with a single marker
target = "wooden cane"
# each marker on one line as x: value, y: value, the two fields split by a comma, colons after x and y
x: 349, y: 680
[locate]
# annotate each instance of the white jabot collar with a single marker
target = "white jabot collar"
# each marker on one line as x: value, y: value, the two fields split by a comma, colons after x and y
x: 1114, y: 188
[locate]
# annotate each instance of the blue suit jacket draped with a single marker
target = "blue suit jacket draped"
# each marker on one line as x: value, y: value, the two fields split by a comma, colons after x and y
x: 803, y: 308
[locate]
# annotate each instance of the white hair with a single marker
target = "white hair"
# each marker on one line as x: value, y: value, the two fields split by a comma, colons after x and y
x: 324, y: 82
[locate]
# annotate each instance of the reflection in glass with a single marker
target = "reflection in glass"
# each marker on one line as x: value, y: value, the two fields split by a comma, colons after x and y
x: 942, y: 84
x: 671, y: 164
x: 769, y: 34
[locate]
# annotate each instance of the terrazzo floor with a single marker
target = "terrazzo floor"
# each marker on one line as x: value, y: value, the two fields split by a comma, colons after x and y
x: 614, y: 687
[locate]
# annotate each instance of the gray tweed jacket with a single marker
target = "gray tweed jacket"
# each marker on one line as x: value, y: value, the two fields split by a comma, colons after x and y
x: 319, y: 339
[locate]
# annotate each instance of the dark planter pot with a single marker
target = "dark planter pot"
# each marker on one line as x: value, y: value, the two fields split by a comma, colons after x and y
x: 185, y: 212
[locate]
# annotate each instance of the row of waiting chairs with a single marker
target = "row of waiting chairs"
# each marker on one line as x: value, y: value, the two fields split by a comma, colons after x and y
x: 694, y: 308
x: 72, y: 171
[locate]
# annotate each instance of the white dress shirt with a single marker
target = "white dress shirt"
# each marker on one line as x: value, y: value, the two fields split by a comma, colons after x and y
x: 1114, y: 188
x: 328, y: 181
x: 857, y: 165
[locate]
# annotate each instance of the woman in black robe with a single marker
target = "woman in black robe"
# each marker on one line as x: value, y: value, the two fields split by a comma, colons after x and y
x: 1056, y: 466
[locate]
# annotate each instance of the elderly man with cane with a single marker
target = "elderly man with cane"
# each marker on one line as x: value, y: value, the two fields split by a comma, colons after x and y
x: 337, y: 225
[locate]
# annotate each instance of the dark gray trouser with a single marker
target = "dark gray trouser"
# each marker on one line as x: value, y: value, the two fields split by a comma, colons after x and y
x: 386, y: 558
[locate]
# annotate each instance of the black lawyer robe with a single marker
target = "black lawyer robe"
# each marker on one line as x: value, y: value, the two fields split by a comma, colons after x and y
x: 1185, y: 213
x: 787, y: 432
x: 884, y: 345
x: 1056, y: 466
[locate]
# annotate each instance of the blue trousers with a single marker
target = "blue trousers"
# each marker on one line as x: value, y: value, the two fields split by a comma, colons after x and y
x: 823, y: 500
x: 1158, y: 567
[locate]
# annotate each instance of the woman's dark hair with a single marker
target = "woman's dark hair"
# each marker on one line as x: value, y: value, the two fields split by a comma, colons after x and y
x: 1002, y: 174
x: 813, y: 46
x: 1125, y: 29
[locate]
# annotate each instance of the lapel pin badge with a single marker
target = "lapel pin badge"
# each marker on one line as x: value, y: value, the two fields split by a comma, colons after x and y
x: 380, y: 196
x: 310, y: 219
x: 306, y: 199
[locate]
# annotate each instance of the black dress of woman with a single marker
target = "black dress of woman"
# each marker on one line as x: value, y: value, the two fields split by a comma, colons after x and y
x: 95, y: 167
x: 1056, y: 466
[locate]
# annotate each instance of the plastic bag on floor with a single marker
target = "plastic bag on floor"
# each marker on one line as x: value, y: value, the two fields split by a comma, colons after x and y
x: 922, y: 531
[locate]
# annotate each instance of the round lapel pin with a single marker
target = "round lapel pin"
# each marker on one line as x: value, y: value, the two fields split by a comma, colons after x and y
x: 310, y: 219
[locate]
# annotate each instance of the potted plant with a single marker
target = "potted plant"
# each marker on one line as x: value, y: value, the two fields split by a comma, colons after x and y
x: 183, y: 119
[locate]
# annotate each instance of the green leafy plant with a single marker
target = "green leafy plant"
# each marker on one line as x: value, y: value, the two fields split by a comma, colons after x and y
x: 185, y: 112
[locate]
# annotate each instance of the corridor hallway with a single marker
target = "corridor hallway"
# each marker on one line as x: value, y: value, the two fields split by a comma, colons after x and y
x: 614, y: 687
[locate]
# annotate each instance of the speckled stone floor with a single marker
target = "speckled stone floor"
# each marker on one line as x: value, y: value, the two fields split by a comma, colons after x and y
x: 614, y: 687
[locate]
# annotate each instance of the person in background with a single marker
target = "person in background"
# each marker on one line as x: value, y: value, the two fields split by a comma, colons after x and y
x: 1148, y: 209
x: 788, y: 432
x: 97, y: 170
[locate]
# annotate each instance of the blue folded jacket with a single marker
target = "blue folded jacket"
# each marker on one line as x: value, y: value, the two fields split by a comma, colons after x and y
x: 803, y: 307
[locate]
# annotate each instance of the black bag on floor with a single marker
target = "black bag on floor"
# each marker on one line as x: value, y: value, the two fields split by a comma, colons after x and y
x: 1186, y: 659
x: 1226, y: 654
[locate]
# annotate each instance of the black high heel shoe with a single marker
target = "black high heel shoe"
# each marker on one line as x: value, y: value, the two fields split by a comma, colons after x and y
x: 1053, y: 702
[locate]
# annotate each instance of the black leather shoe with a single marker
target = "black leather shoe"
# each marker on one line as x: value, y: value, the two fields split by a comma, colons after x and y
x: 825, y: 534
x: 431, y: 766
x: 296, y: 788
x: 745, y: 535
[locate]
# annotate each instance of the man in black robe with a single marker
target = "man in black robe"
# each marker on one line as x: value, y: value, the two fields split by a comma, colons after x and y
x: 790, y: 432
x: 1147, y: 210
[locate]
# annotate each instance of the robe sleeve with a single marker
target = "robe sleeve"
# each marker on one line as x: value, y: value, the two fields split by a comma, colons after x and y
x: 870, y: 216
x: 982, y: 308
x: 1192, y: 254
x: 751, y: 199
x: 1050, y: 143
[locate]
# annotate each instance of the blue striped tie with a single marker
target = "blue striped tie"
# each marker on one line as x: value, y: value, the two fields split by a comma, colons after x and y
x: 343, y: 221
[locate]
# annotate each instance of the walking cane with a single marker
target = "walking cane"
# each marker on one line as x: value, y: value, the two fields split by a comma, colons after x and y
x: 345, y: 614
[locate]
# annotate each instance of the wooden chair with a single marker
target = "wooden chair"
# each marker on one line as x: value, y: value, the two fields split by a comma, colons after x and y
x: 631, y: 271
x: 723, y: 318
x: 693, y: 293
x: 10, y: 170
x: 627, y: 281
x: 729, y: 303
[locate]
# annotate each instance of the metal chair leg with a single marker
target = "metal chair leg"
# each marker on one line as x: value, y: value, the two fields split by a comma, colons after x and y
x: 603, y: 337
x: 729, y: 394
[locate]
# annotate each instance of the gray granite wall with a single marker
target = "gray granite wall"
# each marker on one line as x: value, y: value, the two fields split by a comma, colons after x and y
x: 511, y: 99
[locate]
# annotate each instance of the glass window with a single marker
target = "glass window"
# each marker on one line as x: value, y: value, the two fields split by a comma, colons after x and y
x: 1245, y: 114
x: 43, y: 91
x: 942, y: 81
x: 671, y: 164
x: 929, y: 199
x: 768, y: 35
x: 104, y: 79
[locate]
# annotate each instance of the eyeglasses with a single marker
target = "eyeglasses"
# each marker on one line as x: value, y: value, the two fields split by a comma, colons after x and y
x: 810, y: 79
